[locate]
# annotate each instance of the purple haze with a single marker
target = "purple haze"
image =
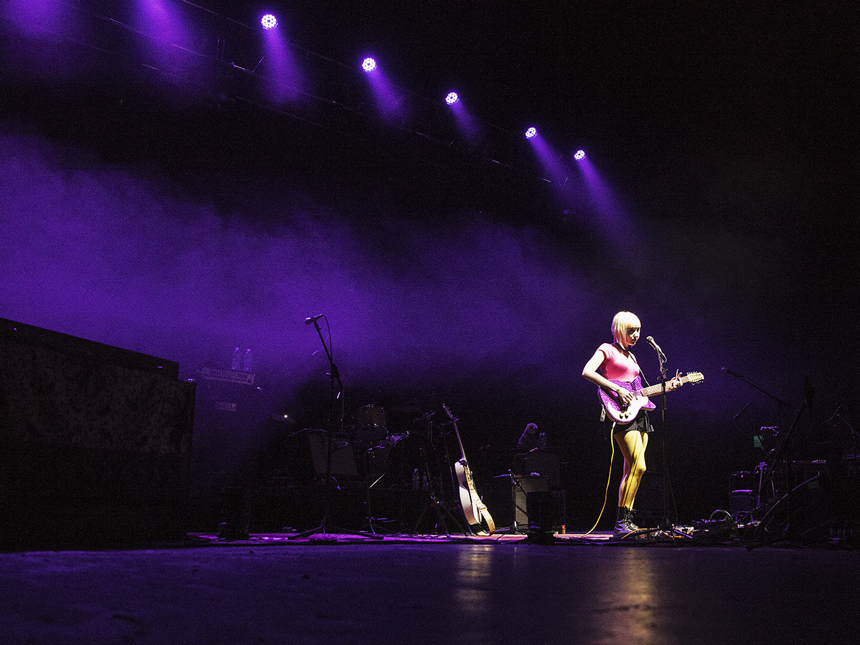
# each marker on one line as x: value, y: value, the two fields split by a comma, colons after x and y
x: 112, y: 255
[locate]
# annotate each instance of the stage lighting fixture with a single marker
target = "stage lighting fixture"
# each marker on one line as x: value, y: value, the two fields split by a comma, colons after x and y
x: 452, y: 98
x: 579, y: 154
x: 368, y: 65
x: 531, y: 133
x: 269, y: 21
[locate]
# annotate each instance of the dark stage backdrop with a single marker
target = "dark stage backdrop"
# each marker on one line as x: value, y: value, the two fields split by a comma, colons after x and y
x: 183, y: 214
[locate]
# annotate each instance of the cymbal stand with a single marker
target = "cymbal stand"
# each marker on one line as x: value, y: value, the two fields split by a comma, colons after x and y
x: 368, y: 485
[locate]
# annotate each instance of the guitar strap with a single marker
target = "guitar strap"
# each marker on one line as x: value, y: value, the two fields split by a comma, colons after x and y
x: 485, y: 514
x: 641, y: 373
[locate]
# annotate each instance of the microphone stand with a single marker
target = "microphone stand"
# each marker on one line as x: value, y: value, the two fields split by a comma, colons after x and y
x: 333, y: 376
x: 515, y: 528
x: 665, y: 524
x: 780, y: 404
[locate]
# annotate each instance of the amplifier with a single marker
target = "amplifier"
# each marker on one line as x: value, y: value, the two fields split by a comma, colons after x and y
x: 518, y: 502
x: 227, y: 376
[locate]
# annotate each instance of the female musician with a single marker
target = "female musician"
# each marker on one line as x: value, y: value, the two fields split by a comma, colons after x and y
x: 615, y: 362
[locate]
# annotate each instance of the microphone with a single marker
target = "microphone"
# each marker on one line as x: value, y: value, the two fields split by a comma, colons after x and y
x: 650, y: 341
x: 313, y: 319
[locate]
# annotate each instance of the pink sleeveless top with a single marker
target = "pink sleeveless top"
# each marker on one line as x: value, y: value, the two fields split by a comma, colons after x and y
x: 617, y: 366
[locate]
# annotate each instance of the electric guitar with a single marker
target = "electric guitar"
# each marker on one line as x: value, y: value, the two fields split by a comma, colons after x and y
x: 622, y: 414
x: 473, y: 508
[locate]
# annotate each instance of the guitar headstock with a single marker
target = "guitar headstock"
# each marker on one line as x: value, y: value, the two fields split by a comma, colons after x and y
x: 448, y: 412
x: 694, y: 377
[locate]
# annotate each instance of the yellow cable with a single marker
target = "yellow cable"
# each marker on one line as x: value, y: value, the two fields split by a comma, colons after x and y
x: 608, y: 480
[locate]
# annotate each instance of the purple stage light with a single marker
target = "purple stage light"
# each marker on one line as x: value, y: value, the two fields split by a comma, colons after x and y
x: 452, y: 98
x: 531, y: 133
x: 368, y: 65
x: 269, y: 21
x: 579, y: 154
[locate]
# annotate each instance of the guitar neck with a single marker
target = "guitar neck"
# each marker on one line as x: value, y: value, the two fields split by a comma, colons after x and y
x: 456, y: 432
x: 656, y: 389
x: 460, y: 442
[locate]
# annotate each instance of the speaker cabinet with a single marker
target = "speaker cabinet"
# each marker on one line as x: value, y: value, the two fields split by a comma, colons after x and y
x: 543, y: 464
x: 517, y: 501
x: 96, y: 442
x: 228, y: 436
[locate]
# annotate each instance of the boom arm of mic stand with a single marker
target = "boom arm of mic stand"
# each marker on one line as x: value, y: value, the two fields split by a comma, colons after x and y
x: 333, y: 373
x: 757, y: 387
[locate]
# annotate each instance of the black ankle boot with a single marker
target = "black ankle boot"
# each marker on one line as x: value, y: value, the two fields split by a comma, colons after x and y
x: 631, y: 526
x: 624, y: 522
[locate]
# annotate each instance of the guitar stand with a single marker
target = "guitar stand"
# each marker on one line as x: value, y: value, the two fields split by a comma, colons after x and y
x: 441, y: 509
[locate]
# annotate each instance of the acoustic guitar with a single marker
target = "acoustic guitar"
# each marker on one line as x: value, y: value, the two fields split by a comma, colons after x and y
x: 622, y: 414
x: 473, y: 507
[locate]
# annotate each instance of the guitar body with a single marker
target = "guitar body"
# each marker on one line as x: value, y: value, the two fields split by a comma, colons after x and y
x: 468, y: 494
x: 625, y: 414
x: 622, y: 414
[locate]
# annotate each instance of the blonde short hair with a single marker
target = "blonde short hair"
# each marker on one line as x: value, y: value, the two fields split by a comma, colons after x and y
x: 623, y: 321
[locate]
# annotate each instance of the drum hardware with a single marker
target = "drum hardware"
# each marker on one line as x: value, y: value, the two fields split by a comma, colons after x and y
x: 413, y: 461
x: 369, y: 415
x: 369, y: 424
x: 401, y: 462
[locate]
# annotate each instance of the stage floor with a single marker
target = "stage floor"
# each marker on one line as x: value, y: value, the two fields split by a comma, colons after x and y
x: 334, y: 588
